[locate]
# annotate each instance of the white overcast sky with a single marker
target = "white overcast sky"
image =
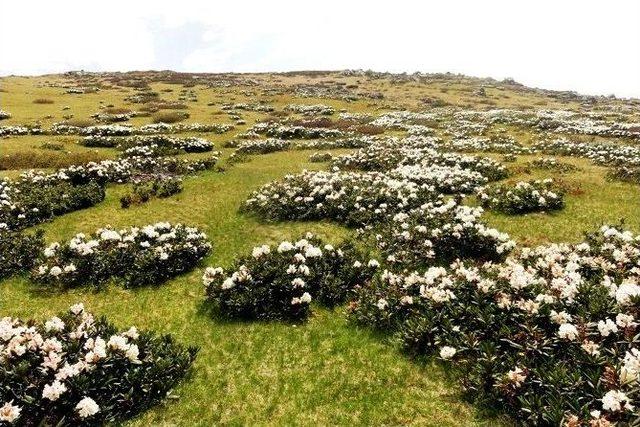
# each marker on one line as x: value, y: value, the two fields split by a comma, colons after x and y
x: 589, y: 46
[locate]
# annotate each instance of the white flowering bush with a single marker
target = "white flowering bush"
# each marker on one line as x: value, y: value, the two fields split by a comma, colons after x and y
x: 446, y: 179
x: 349, y: 197
x: 4, y: 115
x: 437, y: 233
x: 310, y: 110
x: 280, y: 282
x: 76, y: 369
x: 134, y: 256
x: 549, y: 335
x: 523, y: 197
x: 34, y: 198
x: 186, y: 144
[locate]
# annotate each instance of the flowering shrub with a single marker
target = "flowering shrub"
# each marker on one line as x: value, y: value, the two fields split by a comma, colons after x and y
x: 135, y: 256
x: 626, y: 174
x: 280, y: 282
x: 188, y: 144
x: 143, y: 191
x: 4, y: 115
x: 352, y: 198
x: 262, y: 146
x: 75, y: 369
x: 320, y: 157
x: 533, y: 196
x: 310, y: 110
x: 17, y: 249
x: 35, y: 197
x: 550, y: 335
x: 440, y: 232
x: 446, y: 179
x: 550, y: 163
x: 282, y: 131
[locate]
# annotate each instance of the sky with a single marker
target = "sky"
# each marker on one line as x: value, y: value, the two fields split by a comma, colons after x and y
x: 592, y: 47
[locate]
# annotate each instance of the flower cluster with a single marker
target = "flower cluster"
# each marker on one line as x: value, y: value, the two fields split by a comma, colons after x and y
x: 283, y: 131
x: 524, y: 197
x: 350, y: 197
x: 599, y: 153
x: 187, y: 144
x: 75, y: 369
x: 135, y: 256
x: 4, y: 115
x: 446, y: 179
x: 440, y: 232
x: 551, y: 333
x: 122, y: 130
x: 280, y: 282
x: 36, y: 197
x: 310, y: 110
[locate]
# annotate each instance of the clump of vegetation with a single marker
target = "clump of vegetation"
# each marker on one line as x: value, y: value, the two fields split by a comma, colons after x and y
x: 43, y: 101
x: 145, y: 190
x: 169, y: 116
x: 81, y: 370
x: 280, y: 282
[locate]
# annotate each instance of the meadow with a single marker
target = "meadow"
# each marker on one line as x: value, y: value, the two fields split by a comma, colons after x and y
x: 327, y: 369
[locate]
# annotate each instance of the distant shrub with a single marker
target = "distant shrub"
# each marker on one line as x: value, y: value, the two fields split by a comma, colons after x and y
x: 169, y: 116
x: 142, y: 192
x: 39, y: 160
x: 81, y: 123
x: 43, y: 101
x: 52, y: 146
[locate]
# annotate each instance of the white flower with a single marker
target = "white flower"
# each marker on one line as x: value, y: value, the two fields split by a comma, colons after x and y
x: 55, y: 271
x: 228, y: 283
x: 285, y: 247
x: 626, y: 291
x: 447, y: 352
x: 260, y: 250
x: 382, y: 304
x: 568, y: 331
x: 54, y: 324
x: 77, y: 308
x: 298, y: 283
x: 614, y: 400
x: 406, y: 300
x: 305, y: 298
x: 53, y: 391
x: 516, y: 376
x: 87, y: 407
x: 373, y: 263
x: 606, y: 327
x: 9, y: 412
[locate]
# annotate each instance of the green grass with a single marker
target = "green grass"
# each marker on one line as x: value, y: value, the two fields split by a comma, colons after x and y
x: 322, y: 372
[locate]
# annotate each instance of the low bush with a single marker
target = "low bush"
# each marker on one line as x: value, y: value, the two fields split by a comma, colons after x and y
x: 143, y: 191
x: 524, y: 197
x: 133, y: 257
x: 169, y: 116
x: 550, y: 335
x: 75, y: 369
x: 17, y: 249
x: 280, y: 282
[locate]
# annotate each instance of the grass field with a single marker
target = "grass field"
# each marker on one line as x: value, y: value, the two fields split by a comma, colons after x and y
x: 325, y: 371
